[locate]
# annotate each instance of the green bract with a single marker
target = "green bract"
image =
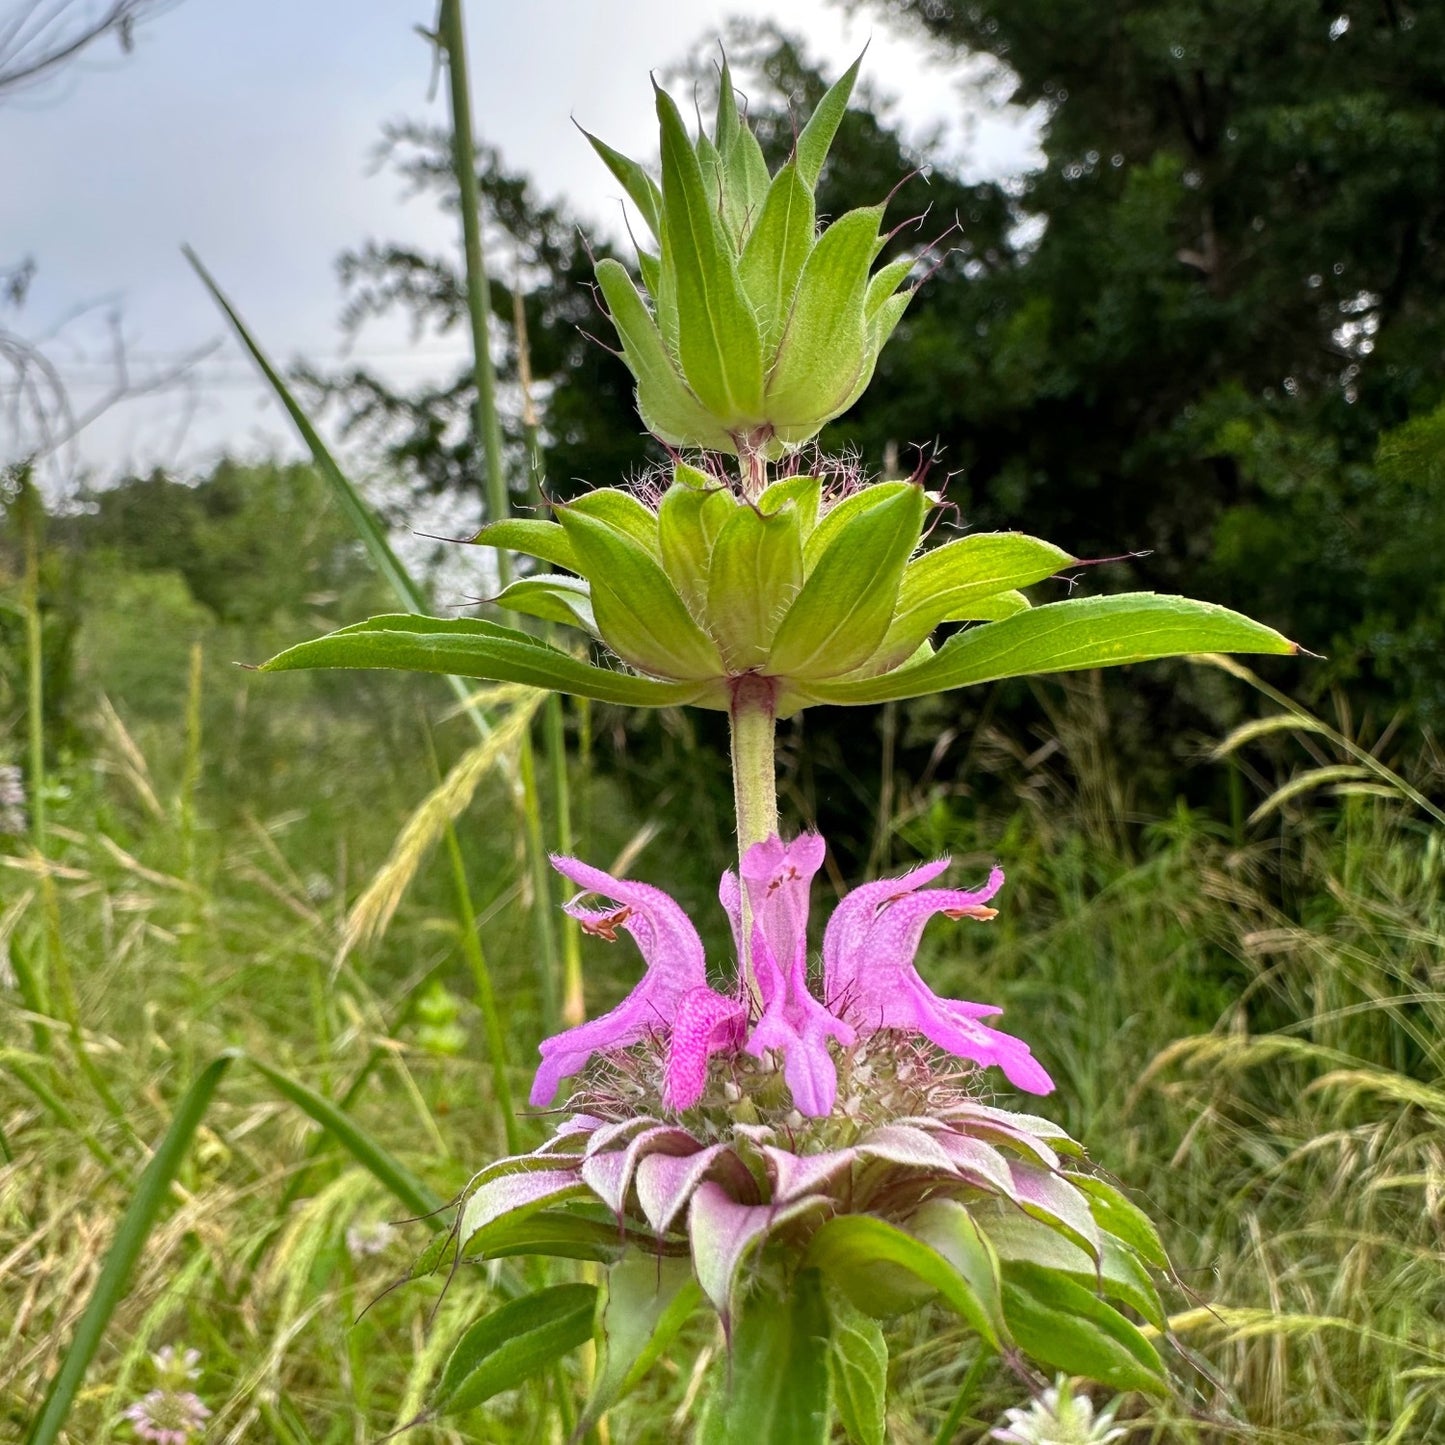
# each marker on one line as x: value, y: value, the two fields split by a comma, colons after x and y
x: 821, y: 598
x: 761, y: 328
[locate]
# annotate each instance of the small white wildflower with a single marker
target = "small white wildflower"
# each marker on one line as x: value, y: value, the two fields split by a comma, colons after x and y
x: 177, y: 1365
x: 364, y: 1240
x: 1059, y: 1417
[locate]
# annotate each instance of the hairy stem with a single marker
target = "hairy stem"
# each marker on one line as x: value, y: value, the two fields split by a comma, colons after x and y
x: 755, y: 788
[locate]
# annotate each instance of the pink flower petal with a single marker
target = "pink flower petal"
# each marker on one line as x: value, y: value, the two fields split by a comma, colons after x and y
x: 900, y: 1144
x: 778, y: 876
x: 705, y: 1023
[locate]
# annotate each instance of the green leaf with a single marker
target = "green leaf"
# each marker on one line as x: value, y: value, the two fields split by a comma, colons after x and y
x: 689, y: 519
x: 469, y: 647
x: 151, y: 1194
x: 544, y: 540
x: 620, y: 510
x: 728, y: 125
x: 669, y: 409
x: 718, y: 342
x: 515, y: 1342
x: 843, y: 611
x: 825, y: 342
x: 1063, y: 1325
x: 551, y: 1232
x: 648, y: 1300
x: 858, y: 1359
x: 1121, y: 1217
x: 779, y: 1391
x: 638, y: 610
x: 817, y: 137
x: 756, y: 571
x: 851, y: 1248
x: 553, y: 598
x: 776, y: 251
x: 1065, y: 637
x: 1018, y: 1239
x: 884, y: 282
x: 640, y: 187
x: 946, y: 1226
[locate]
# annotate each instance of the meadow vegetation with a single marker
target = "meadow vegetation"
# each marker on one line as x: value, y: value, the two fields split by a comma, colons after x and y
x: 1243, y: 1016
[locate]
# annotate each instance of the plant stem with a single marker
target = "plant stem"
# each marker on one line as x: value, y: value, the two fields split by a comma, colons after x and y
x: 452, y: 38
x: 755, y: 786
x: 35, y: 655
x: 464, y: 164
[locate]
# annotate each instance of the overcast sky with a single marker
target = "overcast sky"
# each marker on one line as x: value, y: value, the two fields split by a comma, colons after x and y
x: 245, y: 127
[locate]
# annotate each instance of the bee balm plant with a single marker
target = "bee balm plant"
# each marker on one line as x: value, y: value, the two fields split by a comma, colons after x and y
x: 807, y: 1152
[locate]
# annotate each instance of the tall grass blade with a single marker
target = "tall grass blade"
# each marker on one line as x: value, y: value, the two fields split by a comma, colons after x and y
x: 372, y: 1156
x: 371, y: 532
x: 130, y: 1237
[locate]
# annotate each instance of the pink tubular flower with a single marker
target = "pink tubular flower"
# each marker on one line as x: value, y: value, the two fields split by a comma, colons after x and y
x: 672, y: 999
x: 869, y: 977
x: 870, y: 982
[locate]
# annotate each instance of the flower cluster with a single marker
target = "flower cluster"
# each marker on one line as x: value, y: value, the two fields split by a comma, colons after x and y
x: 869, y: 979
x: 171, y: 1414
x: 768, y: 1130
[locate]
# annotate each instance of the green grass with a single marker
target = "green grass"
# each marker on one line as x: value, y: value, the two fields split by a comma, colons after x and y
x: 1245, y: 1024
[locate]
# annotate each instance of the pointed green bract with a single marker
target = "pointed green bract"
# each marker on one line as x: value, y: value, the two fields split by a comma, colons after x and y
x: 776, y: 252
x: 669, y: 409
x: 688, y: 522
x: 824, y: 343
x: 640, y: 187
x: 544, y: 540
x: 756, y: 570
x: 718, y: 342
x: 552, y: 597
x: 639, y: 612
x: 817, y: 138
x: 846, y: 605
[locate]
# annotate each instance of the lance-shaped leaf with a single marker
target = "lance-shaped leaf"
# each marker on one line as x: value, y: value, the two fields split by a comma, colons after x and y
x: 779, y: 1391
x: 718, y: 342
x: 544, y: 540
x: 638, y: 610
x: 1018, y: 1239
x: 514, y: 1343
x: 817, y: 137
x: 553, y: 598
x: 689, y: 519
x: 1065, y: 637
x: 756, y: 570
x: 948, y: 1227
x: 648, y: 1300
x: 1064, y: 1325
x: 845, y: 606
x: 469, y: 647
x: 776, y: 251
x: 669, y: 409
x: 551, y: 1232
x: 858, y: 1252
x: 858, y: 1360
x: 640, y: 187
x: 825, y: 341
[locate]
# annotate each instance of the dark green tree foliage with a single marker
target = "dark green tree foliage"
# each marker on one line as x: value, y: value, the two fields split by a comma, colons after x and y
x: 1239, y: 287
